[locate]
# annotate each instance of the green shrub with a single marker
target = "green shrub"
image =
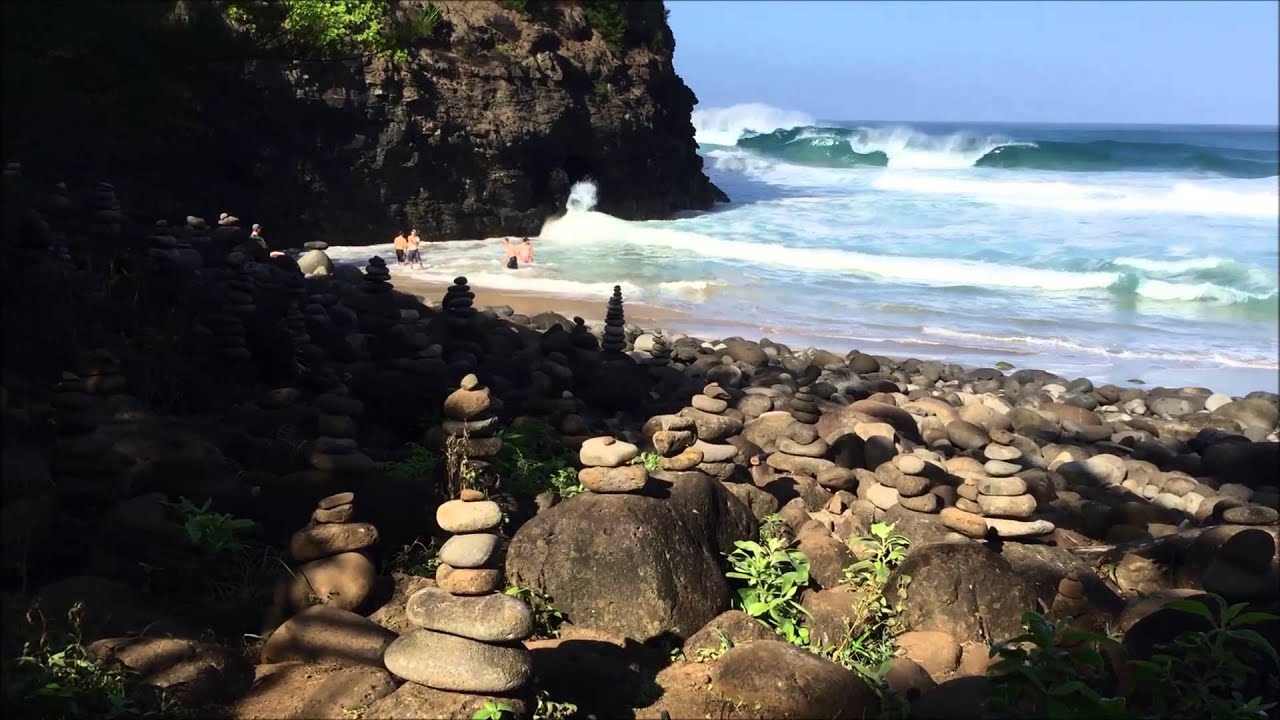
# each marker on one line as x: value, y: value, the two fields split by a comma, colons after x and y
x: 547, y: 619
x: 212, y: 533
x: 325, y: 29
x: 1056, y: 672
x: 649, y: 459
x: 774, y: 575
x: 493, y: 710
x: 772, y: 526
x: 609, y: 18
x: 533, y: 461
x: 887, y: 551
x: 420, y: 465
x: 416, y: 558
x: 57, y: 677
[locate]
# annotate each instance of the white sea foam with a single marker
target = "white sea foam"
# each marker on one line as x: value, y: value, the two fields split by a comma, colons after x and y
x: 724, y: 126
x: 908, y: 148
x: 1171, y: 266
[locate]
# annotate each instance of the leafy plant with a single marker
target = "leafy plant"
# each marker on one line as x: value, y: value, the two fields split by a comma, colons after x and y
x: 1208, y: 671
x: 713, y: 654
x: 57, y: 677
x: 416, y: 558
x: 533, y: 461
x: 1051, y: 671
x: 329, y: 29
x: 212, y: 533
x: 887, y: 551
x: 547, y: 619
x: 420, y: 464
x: 548, y: 709
x: 649, y: 459
x: 772, y: 526
x: 774, y: 575
x: 492, y: 710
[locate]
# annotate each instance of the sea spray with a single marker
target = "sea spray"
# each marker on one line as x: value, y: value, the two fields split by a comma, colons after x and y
x: 582, y: 197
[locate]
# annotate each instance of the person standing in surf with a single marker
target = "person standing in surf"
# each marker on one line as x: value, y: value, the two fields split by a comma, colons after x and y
x: 401, y: 244
x: 414, y: 255
x: 524, y: 252
x: 511, y: 251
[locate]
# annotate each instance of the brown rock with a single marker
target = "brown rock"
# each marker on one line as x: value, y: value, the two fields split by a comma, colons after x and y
x: 190, y: 673
x: 625, y: 479
x: 454, y: 663
x: 328, y: 635
x: 321, y: 541
x: 467, y: 404
x: 468, y: 581
x: 936, y: 651
x: 778, y: 680
x: 342, y: 581
x: 414, y: 702
x: 302, y: 690
x: 731, y: 628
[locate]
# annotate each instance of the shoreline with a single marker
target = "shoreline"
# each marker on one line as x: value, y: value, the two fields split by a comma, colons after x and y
x: 671, y: 321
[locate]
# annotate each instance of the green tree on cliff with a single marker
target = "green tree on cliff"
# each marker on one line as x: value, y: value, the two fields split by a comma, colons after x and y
x: 332, y: 28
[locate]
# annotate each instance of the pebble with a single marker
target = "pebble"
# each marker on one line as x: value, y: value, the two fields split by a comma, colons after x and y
x: 996, y: 451
x: 1000, y: 468
x: 333, y: 501
x: 1020, y: 506
x: 966, y: 523
x: 1012, y: 529
x: 673, y: 442
x: 711, y: 405
x: 712, y: 452
x: 686, y: 460
x: 339, y: 514
x: 491, y: 618
x: 912, y: 486
x: 881, y: 496
x: 966, y: 436
x: 469, y: 551
x: 909, y: 464
x: 607, y: 452
x: 1003, y: 486
x: 467, y: 404
x: 815, y: 449
x: 470, y: 495
x: 1251, y: 515
x: 624, y: 479
x: 925, y: 503
x: 462, y: 516
x: 969, y: 506
x: 447, y: 662
x: 321, y: 541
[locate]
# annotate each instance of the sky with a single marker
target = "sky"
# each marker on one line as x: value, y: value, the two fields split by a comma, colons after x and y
x: 1071, y: 62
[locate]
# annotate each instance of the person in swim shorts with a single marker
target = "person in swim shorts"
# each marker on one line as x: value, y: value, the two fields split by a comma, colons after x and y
x: 414, y: 254
x: 511, y: 252
x: 401, y: 244
x: 524, y: 252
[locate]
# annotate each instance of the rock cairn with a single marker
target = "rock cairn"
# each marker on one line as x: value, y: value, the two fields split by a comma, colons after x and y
x: 467, y: 634
x: 581, y: 337
x: 328, y: 564
x: 168, y: 254
x: 660, y: 351
x: 107, y: 218
x: 459, y: 302
x: 1000, y: 504
x: 907, y: 475
x: 675, y: 443
x: 334, y: 450
x: 615, y: 336
x: 468, y: 434
x: 713, y: 424
x: 607, y: 468
x: 83, y: 464
x: 800, y: 450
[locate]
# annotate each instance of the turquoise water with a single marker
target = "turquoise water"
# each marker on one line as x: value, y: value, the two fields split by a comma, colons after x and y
x: 1113, y: 253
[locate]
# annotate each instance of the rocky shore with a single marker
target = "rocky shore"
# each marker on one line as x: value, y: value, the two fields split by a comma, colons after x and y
x: 556, y: 505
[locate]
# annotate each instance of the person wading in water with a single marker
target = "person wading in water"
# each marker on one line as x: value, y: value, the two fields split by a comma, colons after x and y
x: 510, y: 258
x: 524, y: 252
x: 414, y: 255
x: 401, y: 243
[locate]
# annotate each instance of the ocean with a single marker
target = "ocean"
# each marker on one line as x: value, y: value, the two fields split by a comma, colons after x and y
x: 1116, y: 253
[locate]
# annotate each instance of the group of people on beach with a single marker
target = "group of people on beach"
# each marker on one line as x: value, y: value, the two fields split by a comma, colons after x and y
x: 408, y: 250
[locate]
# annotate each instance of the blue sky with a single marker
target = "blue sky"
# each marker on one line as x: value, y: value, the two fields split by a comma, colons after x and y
x: 1124, y: 62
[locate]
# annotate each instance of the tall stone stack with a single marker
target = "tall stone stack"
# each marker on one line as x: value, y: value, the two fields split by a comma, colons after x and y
x: 335, y: 449
x: 84, y: 465
x: 607, y: 468
x: 800, y: 449
x: 170, y: 255
x: 328, y: 561
x: 714, y: 423
x: 660, y: 352
x: 675, y: 444
x: 469, y: 429
x: 615, y: 336
x: 803, y: 406
x: 467, y: 634
x: 459, y: 303
x: 909, y: 478
x: 1001, y: 505
x: 107, y: 220
x: 228, y: 233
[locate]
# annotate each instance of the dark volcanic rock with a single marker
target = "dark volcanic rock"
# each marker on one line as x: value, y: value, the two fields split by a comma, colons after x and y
x: 642, y: 566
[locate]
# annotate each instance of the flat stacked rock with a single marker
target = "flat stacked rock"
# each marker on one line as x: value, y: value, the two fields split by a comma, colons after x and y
x: 800, y: 450
x: 328, y: 564
x: 675, y: 442
x: 467, y: 634
x: 459, y: 302
x: 615, y: 336
x: 228, y: 232
x: 469, y: 427
x: 107, y: 218
x: 803, y: 406
x: 168, y: 254
x: 379, y: 314
x: 1000, y: 504
x: 660, y: 352
x: 335, y: 450
x: 607, y: 468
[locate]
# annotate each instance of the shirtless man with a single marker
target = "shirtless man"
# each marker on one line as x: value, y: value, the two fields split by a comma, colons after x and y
x: 401, y: 244
x: 511, y: 251
x: 524, y: 252
x: 414, y: 255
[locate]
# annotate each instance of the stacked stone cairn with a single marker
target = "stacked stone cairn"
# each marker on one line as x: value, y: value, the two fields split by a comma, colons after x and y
x: 169, y: 255
x: 467, y: 633
x: 581, y: 337
x: 459, y: 303
x: 607, y: 468
x: 228, y: 233
x: 334, y: 450
x: 713, y: 424
x: 907, y: 475
x: 328, y: 564
x: 84, y: 465
x: 800, y: 450
x: 615, y: 334
x: 107, y: 219
x: 993, y: 498
x: 660, y: 352
x: 468, y: 433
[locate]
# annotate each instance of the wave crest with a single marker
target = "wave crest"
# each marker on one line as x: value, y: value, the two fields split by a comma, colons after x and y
x: 725, y: 126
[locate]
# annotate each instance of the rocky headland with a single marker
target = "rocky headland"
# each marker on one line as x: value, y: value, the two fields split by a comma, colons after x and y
x: 256, y: 494
x: 478, y: 129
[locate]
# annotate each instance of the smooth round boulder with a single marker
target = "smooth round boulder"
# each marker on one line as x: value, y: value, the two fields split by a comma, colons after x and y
x: 606, y: 452
x: 319, y: 541
x: 342, y: 581
x: 448, y: 662
x: 470, y: 551
x: 468, y: 581
x: 462, y: 516
x: 778, y: 680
